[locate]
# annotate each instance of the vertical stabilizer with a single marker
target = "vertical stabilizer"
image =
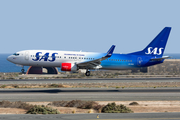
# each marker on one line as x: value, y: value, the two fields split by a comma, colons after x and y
x: 157, y: 46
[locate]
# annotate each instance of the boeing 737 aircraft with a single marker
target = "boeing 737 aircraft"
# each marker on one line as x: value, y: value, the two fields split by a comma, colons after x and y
x: 73, y: 61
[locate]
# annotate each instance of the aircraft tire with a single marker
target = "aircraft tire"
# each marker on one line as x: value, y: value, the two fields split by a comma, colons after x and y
x: 87, y: 73
x: 22, y: 70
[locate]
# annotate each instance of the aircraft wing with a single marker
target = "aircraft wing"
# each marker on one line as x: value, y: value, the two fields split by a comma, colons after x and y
x: 95, y: 64
x: 159, y: 59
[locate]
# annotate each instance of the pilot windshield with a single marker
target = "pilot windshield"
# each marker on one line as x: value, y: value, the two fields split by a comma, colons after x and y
x: 16, y: 54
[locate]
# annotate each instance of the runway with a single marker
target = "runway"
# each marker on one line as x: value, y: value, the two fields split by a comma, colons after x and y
x: 109, y: 116
x: 107, y: 80
x: 94, y: 94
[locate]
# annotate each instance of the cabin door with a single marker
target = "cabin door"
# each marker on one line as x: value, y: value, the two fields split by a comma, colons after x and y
x: 26, y: 55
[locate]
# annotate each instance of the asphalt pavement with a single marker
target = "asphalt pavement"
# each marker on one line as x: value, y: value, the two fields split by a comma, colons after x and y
x: 107, y: 80
x: 94, y: 94
x: 102, y: 116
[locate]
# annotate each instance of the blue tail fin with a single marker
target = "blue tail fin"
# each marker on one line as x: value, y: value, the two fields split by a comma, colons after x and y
x: 157, y: 46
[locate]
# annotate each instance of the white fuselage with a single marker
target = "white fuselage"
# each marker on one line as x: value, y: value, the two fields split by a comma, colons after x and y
x: 50, y: 58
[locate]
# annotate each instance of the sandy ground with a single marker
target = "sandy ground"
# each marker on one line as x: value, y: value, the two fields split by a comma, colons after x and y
x: 12, y: 111
x: 143, y: 107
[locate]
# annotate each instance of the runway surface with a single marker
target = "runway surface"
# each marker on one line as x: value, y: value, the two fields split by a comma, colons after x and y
x: 109, y: 116
x: 95, y: 94
x: 101, y: 94
x: 110, y: 80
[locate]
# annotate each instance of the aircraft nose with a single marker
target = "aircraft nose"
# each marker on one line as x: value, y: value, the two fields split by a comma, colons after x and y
x: 9, y: 58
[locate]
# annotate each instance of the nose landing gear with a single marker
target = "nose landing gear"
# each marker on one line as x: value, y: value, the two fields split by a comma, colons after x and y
x: 22, y: 70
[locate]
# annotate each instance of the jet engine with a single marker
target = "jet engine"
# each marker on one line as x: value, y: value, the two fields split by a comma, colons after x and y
x: 69, y: 67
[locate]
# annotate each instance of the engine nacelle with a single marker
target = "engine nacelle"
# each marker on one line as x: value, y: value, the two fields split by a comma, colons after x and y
x: 69, y: 67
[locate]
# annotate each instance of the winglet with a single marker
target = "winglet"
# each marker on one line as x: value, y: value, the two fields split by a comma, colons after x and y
x: 110, y: 51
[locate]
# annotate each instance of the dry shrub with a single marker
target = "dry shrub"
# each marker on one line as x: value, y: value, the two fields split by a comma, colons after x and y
x: 17, y: 104
x: 78, y: 103
x: 3, y: 86
x: 75, y: 103
x: 99, y: 107
x: 15, y: 86
x: 59, y: 103
x: 113, y: 108
x: 40, y: 109
x: 133, y: 103
x: 5, y: 104
x: 56, y: 86
x: 74, y: 111
x: 89, y: 105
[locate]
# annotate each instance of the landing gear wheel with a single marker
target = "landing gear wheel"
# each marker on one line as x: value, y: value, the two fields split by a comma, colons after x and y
x: 22, y: 70
x: 87, y: 73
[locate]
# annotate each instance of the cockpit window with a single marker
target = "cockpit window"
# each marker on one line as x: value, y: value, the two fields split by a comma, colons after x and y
x: 16, y: 54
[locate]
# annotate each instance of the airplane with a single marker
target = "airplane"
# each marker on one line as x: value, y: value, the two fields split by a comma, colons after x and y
x: 73, y: 61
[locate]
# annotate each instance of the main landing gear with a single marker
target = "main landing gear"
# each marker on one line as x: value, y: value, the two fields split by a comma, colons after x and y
x: 87, y: 73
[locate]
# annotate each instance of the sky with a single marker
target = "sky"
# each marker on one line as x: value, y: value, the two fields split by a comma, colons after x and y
x: 87, y: 25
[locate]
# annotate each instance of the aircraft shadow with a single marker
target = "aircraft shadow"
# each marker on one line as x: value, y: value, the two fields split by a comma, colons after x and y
x: 81, y: 91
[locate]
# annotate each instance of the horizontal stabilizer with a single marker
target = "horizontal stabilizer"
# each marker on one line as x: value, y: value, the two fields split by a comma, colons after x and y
x: 160, y: 59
